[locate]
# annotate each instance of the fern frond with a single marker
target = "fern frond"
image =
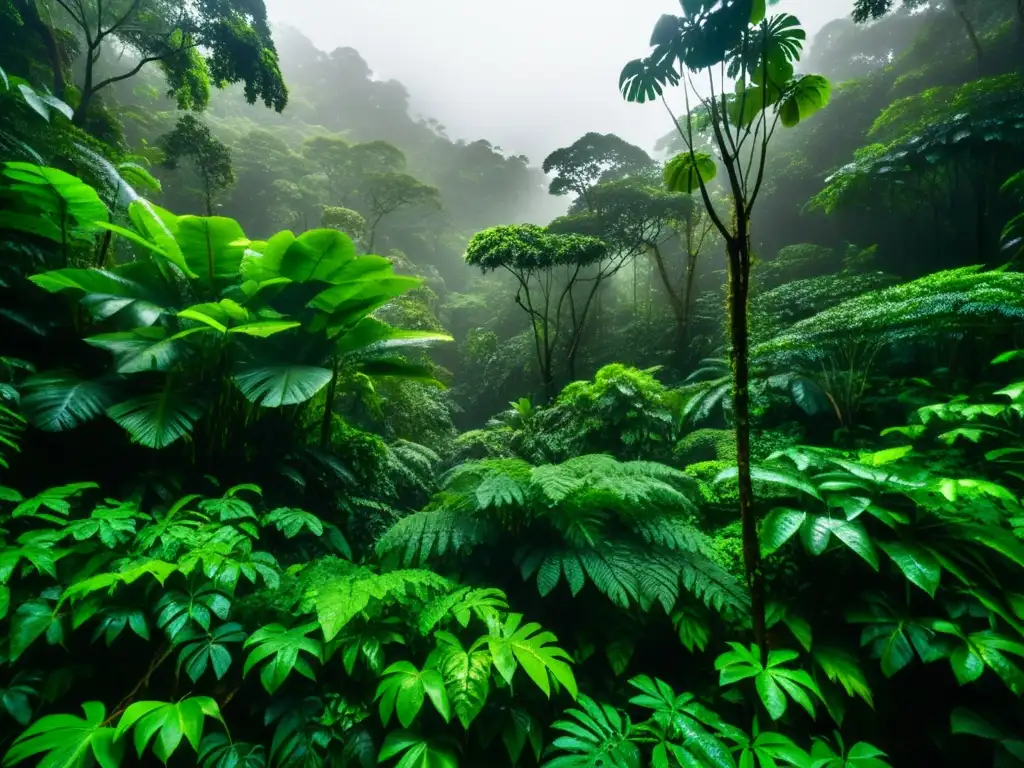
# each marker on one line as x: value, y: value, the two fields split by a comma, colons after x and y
x: 705, y: 579
x: 434, y: 531
x: 614, y: 573
x: 671, y: 532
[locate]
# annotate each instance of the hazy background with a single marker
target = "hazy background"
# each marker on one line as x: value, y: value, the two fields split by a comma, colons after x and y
x: 528, y: 76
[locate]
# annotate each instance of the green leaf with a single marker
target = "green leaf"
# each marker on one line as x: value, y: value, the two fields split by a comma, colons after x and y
x: 685, y: 171
x: 842, y: 667
x: 530, y: 647
x: 202, y: 650
x: 69, y: 742
x: 159, y: 419
x: 404, y: 688
x: 275, y: 386
x: 212, y: 248
x: 918, y: 565
x: 416, y: 751
x: 594, y: 735
x: 168, y: 723
x: 779, y: 527
x: 775, y: 683
x: 282, y: 647
x: 320, y: 254
x: 54, y: 402
x: 141, y: 349
x: 853, y: 534
x: 775, y: 476
x: 31, y: 621
x: 805, y: 96
x: 772, y: 695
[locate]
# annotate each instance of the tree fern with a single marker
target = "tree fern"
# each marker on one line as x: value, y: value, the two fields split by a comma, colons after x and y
x: 435, y: 531
x: 624, y: 526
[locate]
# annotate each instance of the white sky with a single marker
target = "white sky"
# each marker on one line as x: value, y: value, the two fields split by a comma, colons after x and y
x: 529, y: 76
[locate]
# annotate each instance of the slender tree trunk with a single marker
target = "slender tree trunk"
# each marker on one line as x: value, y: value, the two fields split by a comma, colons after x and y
x: 674, y: 300
x: 960, y: 7
x: 325, y: 421
x: 82, y: 110
x: 688, y: 297
x: 739, y: 291
x: 580, y: 326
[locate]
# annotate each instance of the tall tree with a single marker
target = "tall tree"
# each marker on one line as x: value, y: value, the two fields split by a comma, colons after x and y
x: 191, y: 140
x: 635, y: 217
x: 547, y: 267
x: 194, y: 44
x: 593, y: 158
x: 386, y: 193
x: 866, y: 10
x: 711, y: 41
x: 331, y: 154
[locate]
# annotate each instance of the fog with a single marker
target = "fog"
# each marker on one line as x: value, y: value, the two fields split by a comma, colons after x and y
x: 529, y: 76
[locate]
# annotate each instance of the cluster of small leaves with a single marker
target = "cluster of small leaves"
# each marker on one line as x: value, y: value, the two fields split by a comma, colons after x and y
x: 952, y: 301
x: 680, y: 730
x: 528, y: 248
x: 187, y: 581
x: 930, y: 130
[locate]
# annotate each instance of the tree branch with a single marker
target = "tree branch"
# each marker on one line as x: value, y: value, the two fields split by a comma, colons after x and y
x: 138, y: 67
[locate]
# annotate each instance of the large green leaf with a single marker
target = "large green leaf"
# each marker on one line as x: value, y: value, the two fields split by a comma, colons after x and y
x: 685, y: 171
x: 775, y: 683
x: 346, y: 303
x: 416, y: 751
x: 512, y: 645
x: 917, y: 563
x: 595, y: 735
x: 212, y: 248
x: 805, y: 96
x: 261, y: 261
x: 66, y: 741
x: 201, y: 650
x: 32, y: 620
x: 158, y: 226
x: 54, y: 402
x: 273, y: 386
x: 168, y: 723
x: 156, y: 420
x: 370, y: 334
x: 320, y: 254
x: 466, y: 675
x: 403, y: 689
x: 88, y: 281
x: 62, y: 197
x: 141, y: 349
x: 283, y: 648
x: 780, y: 526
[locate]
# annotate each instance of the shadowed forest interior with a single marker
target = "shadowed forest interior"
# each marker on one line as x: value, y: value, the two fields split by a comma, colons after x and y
x: 329, y: 439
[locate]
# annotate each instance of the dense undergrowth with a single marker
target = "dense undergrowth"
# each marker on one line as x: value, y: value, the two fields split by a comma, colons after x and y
x: 270, y: 499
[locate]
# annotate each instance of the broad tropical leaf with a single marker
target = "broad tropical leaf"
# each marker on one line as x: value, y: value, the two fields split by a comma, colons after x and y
x: 66, y: 741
